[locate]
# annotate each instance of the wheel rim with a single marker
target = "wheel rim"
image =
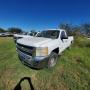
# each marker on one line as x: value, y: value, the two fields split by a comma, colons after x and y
x: 53, y: 61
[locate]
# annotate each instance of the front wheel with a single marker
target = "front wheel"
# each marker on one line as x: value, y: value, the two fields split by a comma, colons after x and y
x: 52, y: 60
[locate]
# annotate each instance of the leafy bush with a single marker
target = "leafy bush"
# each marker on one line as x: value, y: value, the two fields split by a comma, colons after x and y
x: 82, y: 42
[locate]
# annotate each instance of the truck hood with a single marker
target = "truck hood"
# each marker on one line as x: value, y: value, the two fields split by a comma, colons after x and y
x: 34, y: 41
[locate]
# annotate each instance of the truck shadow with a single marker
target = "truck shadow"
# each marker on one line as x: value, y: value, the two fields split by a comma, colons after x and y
x: 18, y: 86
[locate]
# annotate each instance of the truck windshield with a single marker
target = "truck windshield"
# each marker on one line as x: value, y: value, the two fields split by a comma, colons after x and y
x: 49, y: 34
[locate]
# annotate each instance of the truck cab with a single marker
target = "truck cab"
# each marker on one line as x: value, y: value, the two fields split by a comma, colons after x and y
x: 43, y: 50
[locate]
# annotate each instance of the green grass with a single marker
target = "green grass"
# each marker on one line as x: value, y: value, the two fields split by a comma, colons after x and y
x: 72, y: 71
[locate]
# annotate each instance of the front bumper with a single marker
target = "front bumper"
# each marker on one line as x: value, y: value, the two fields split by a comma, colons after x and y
x: 33, y: 62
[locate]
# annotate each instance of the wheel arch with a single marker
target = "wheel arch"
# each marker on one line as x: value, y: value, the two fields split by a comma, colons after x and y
x: 56, y: 50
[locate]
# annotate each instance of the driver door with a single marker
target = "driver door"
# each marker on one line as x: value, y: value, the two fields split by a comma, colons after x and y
x: 64, y: 39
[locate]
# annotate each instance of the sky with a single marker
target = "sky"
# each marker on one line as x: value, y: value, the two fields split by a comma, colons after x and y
x: 42, y: 14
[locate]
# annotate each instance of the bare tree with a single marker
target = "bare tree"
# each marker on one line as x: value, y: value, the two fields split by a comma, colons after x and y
x: 86, y: 28
x: 68, y: 27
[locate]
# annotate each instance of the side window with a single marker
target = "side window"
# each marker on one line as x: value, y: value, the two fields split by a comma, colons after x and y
x: 63, y: 35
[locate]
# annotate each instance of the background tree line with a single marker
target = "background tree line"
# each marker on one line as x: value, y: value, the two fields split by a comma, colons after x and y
x: 75, y: 30
x: 11, y: 30
x: 15, y: 30
x: 83, y: 29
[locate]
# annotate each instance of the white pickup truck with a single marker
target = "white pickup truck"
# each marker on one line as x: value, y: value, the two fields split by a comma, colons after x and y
x: 43, y: 50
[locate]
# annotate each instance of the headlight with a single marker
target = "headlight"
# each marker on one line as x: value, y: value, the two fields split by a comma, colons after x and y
x: 41, y: 51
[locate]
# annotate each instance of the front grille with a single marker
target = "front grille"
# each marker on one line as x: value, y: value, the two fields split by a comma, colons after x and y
x: 26, y: 49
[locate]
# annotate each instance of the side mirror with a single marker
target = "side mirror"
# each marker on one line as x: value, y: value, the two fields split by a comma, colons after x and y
x: 64, y: 38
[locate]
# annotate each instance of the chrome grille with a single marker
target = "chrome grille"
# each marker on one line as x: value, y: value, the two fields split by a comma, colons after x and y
x: 26, y: 49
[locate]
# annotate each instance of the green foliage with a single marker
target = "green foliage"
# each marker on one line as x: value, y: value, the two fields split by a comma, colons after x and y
x: 82, y: 41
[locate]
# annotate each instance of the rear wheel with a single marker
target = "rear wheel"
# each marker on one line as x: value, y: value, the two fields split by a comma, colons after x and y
x: 52, y: 60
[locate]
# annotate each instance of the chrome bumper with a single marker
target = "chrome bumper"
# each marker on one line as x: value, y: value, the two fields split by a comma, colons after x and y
x: 35, y: 62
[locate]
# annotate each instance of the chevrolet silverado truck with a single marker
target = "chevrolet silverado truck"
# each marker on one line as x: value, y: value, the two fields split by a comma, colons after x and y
x: 43, y: 50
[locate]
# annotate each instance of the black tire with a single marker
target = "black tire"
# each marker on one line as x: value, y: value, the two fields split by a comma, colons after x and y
x: 52, y: 60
